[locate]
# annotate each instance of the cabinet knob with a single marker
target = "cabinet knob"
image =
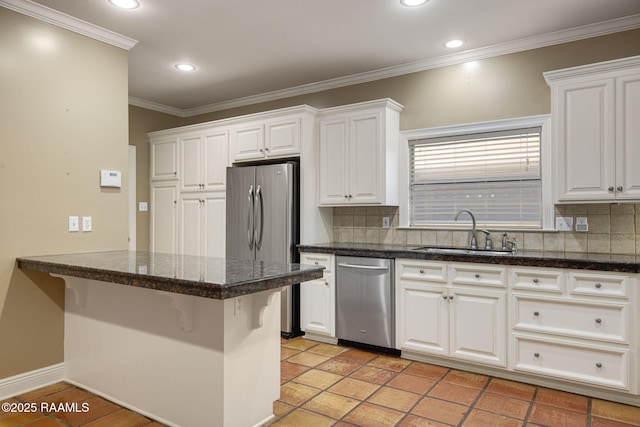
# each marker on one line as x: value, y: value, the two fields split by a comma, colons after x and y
x: 444, y: 297
x: 326, y: 283
x: 421, y: 271
x: 610, y: 189
x: 536, y: 354
x: 316, y: 263
x: 598, y: 320
x: 266, y: 149
x: 598, y: 365
x: 350, y: 196
x: 450, y: 296
x: 619, y: 188
x: 477, y: 276
x: 598, y: 285
x: 536, y: 313
x: 536, y: 280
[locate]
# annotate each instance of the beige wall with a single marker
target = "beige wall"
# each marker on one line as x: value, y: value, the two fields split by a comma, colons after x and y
x: 64, y: 117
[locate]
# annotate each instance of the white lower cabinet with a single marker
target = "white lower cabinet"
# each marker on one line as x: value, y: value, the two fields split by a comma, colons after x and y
x: 437, y: 316
x: 317, y: 300
x: 575, y: 326
x: 575, y: 330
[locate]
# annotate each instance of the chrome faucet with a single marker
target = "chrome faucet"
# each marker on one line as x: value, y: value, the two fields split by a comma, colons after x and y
x: 473, y: 242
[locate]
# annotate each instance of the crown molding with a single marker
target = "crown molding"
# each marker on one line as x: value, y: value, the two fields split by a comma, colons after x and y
x: 564, y: 36
x: 68, y: 22
x: 161, y: 108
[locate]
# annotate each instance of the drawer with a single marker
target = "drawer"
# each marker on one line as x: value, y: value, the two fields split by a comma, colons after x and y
x: 598, y: 284
x: 607, y: 322
x: 538, y: 280
x: 422, y: 271
x: 608, y: 367
x: 473, y: 274
x: 318, y: 259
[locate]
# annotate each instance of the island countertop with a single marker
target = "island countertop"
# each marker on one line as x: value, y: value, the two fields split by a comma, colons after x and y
x: 216, y: 278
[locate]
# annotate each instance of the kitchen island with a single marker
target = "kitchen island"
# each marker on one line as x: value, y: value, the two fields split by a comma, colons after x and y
x: 188, y: 341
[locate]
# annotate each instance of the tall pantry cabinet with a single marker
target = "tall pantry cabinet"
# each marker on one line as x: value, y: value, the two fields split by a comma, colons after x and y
x: 188, y: 172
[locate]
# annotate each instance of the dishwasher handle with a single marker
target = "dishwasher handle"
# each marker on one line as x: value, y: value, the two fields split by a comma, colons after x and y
x: 363, y: 267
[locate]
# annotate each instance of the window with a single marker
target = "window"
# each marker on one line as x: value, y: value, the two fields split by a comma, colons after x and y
x: 496, y: 174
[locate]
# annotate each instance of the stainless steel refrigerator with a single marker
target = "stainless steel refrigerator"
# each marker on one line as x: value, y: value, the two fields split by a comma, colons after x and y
x: 262, y: 223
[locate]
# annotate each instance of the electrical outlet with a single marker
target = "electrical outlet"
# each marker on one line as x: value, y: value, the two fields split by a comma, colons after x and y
x: 86, y: 223
x: 385, y: 222
x: 74, y: 224
x: 143, y: 206
x: 564, y: 223
x: 581, y: 224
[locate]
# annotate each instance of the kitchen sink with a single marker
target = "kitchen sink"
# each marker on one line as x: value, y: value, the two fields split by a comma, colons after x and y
x: 463, y: 251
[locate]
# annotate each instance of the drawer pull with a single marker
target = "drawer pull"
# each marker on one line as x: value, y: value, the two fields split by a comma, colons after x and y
x: 536, y: 313
x: 536, y: 354
x: 421, y: 271
x: 598, y: 285
x: 598, y: 365
x: 536, y: 280
x: 598, y: 320
x: 477, y: 276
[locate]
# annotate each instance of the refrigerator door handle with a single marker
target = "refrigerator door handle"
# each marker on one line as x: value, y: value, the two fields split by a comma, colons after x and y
x: 258, y: 238
x: 250, y: 202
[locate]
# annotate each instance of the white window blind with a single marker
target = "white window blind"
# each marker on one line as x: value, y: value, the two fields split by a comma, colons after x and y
x: 496, y: 175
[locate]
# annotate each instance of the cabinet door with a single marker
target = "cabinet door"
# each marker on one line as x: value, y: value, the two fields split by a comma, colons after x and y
x: 213, y: 217
x: 283, y: 138
x: 422, y: 318
x: 315, y: 306
x: 248, y: 142
x: 585, y: 136
x: 628, y: 137
x: 215, y: 160
x: 365, y: 180
x: 333, y: 162
x: 190, y: 217
x: 190, y: 164
x: 164, y: 160
x: 164, y: 219
x: 478, y: 325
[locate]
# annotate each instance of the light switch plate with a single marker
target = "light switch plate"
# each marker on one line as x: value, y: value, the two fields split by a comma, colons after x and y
x: 385, y: 222
x: 74, y: 224
x: 143, y: 206
x: 564, y: 223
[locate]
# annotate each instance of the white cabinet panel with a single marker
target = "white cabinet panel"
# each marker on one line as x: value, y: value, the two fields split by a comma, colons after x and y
x: 283, y: 138
x: 215, y: 155
x: 592, y: 365
x: 191, y: 164
x: 164, y: 218
x: 318, y: 298
x: 422, y: 318
x: 595, y: 133
x: 359, y: 154
x: 202, y: 225
x: 164, y: 160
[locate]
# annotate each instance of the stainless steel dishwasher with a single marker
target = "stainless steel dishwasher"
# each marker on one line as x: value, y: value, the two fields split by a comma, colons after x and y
x: 365, y: 301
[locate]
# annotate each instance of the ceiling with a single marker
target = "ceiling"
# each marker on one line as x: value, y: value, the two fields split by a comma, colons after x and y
x: 244, y: 49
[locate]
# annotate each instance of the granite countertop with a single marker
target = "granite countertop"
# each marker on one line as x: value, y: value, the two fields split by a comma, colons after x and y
x: 583, y: 261
x: 216, y: 278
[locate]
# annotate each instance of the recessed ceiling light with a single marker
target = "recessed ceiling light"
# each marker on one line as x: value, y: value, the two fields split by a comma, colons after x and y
x: 185, y: 67
x: 125, y: 4
x: 413, y: 3
x: 452, y: 44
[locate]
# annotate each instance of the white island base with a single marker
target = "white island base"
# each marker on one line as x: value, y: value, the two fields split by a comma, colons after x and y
x: 182, y: 360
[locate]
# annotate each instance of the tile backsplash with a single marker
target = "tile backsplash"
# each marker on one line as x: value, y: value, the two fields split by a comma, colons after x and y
x: 613, y: 228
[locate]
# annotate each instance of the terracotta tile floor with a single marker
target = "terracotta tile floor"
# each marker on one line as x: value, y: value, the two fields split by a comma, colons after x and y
x: 327, y: 385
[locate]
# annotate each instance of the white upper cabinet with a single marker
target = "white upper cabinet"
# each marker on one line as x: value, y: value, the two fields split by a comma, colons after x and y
x: 203, y: 161
x: 267, y: 139
x: 359, y: 154
x: 164, y: 159
x: 595, y: 136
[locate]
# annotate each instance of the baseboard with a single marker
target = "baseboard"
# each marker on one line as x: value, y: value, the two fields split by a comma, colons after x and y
x: 31, y: 380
